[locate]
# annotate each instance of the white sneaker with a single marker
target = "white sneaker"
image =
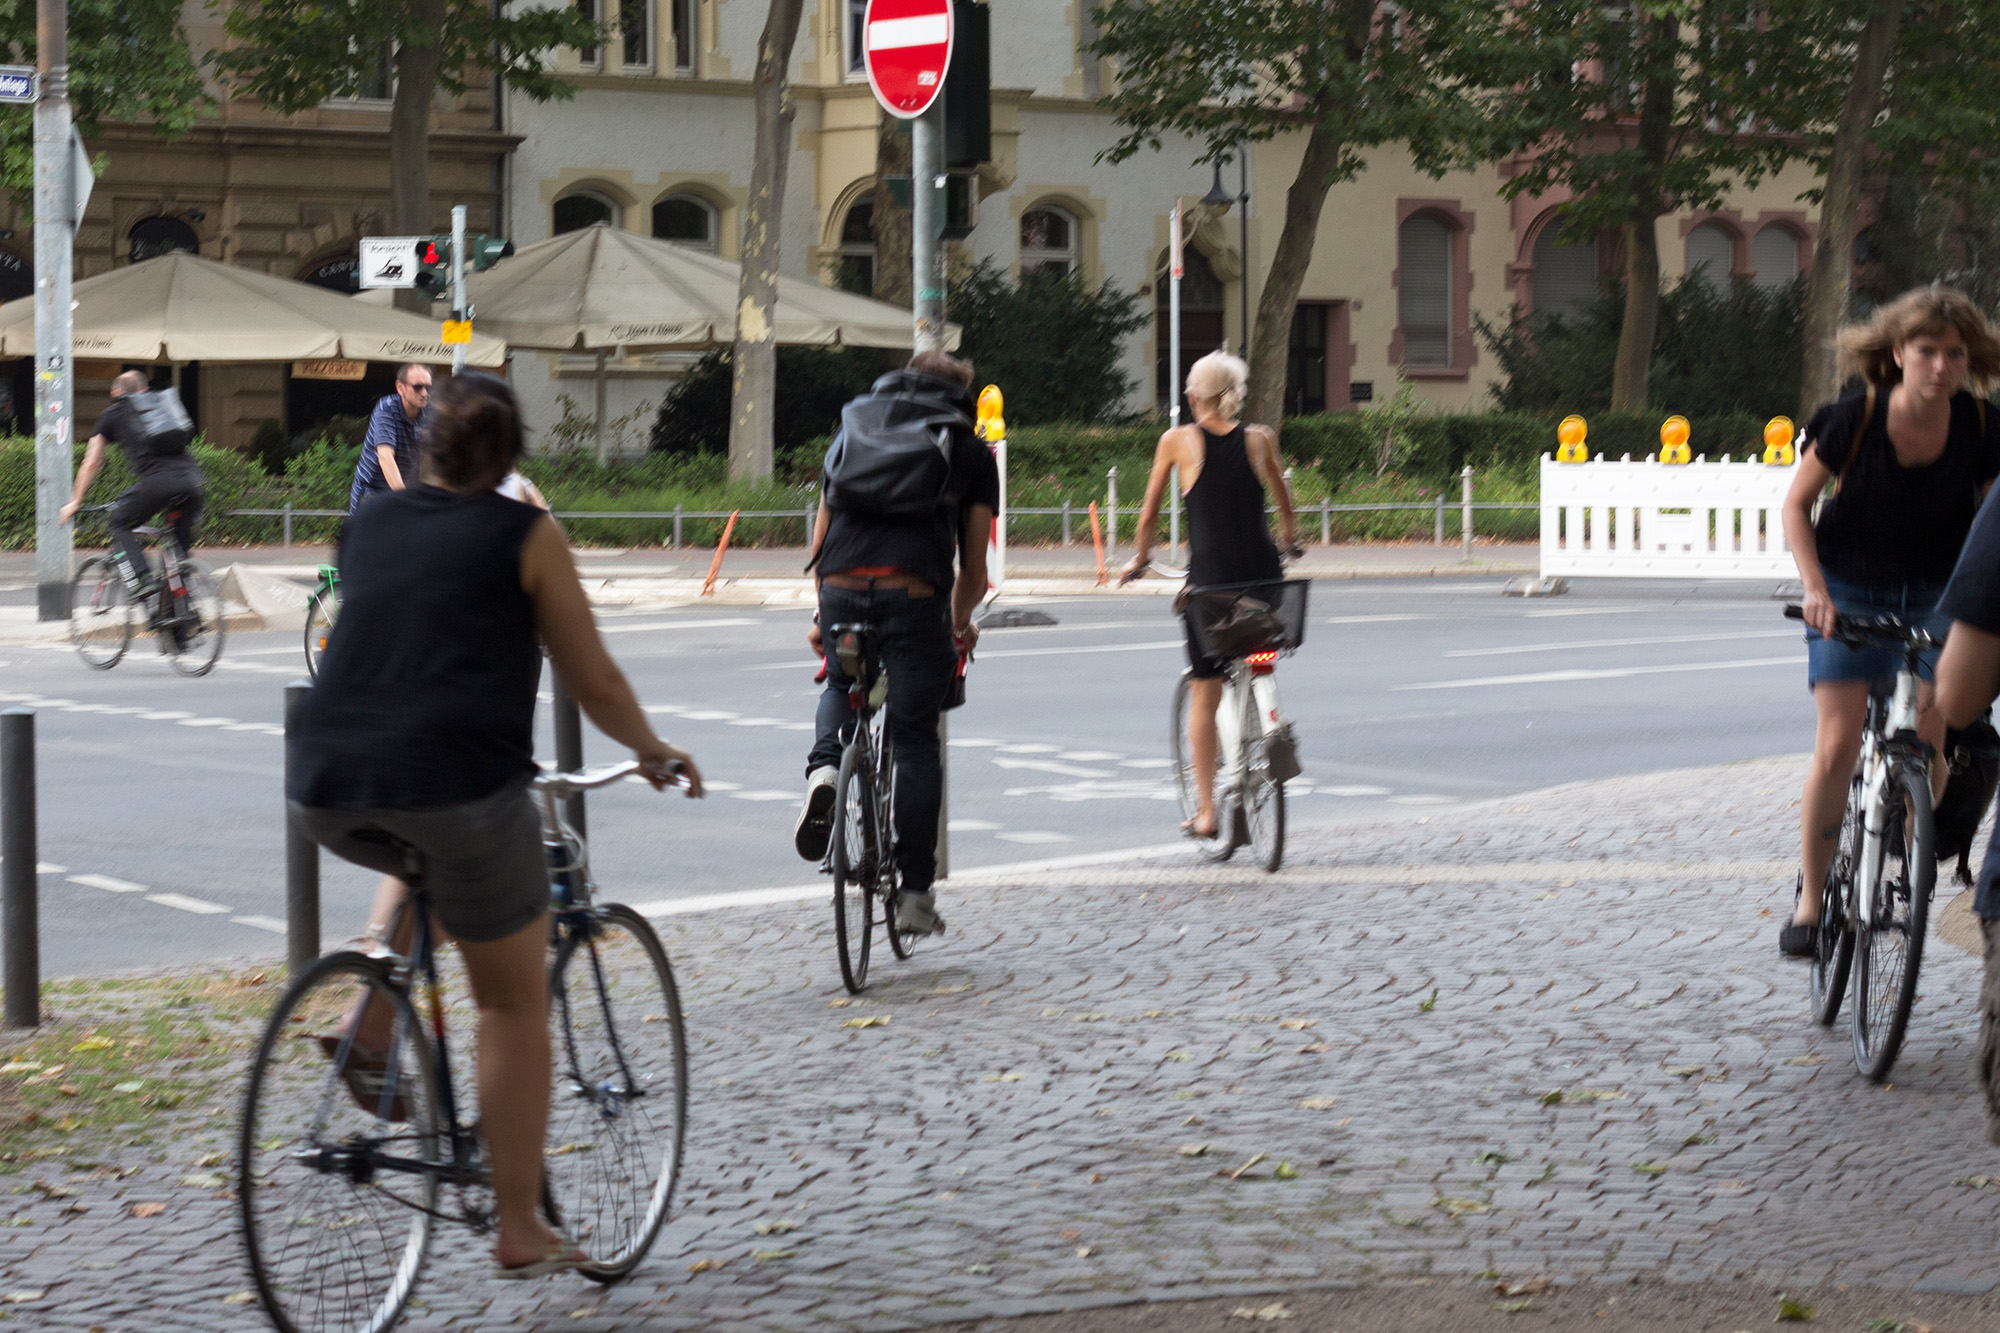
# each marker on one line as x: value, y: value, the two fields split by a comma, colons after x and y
x: 815, y: 827
x: 916, y: 914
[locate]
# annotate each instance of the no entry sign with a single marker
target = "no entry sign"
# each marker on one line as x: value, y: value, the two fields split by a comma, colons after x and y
x: 908, y: 48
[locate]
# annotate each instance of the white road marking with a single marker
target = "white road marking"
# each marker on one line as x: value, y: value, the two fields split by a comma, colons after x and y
x: 182, y: 902
x: 1623, y: 643
x: 88, y: 708
x: 677, y: 624
x: 1088, y: 756
x: 1045, y: 766
x: 167, y: 716
x: 1100, y: 791
x: 796, y: 726
x: 46, y: 867
x: 669, y: 709
x: 207, y: 721
x: 1586, y: 611
x: 971, y: 826
x: 107, y: 883
x: 270, y: 923
x: 1354, y: 789
x: 707, y: 714
x: 765, y: 795
x: 813, y: 665
x: 1096, y: 648
x: 1145, y: 763
x: 1608, y: 673
x: 1372, y: 620
x: 712, y: 785
x: 1035, y: 839
x: 1423, y: 800
x: 971, y: 743
x: 1032, y: 748
x: 755, y: 722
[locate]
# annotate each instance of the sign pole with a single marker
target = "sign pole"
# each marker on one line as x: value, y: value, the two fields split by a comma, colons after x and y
x: 458, y: 350
x: 1175, y: 268
x: 55, y: 389
x: 927, y: 226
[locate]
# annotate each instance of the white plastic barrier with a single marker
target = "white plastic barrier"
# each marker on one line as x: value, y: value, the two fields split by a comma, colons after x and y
x: 1650, y: 519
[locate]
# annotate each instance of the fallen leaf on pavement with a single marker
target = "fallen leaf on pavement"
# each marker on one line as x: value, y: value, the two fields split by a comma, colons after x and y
x: 1083, y: 1251
x: 1194, y: 1150
x: 979, y: 1270
x: 1807, y: 1060
x: 1684, y: 1071
x: 211, y: 1159
x: 1069, y: 1233
x: 239, y: 1298
x: 48, y: 1191
x: 148, y: 1209
x: 1255, y: 1158
x: 129, y: 1085
x: 1461, y: 1207
x: 1316, y: 1048
x: 1977, y: 1182
x: 1096, y: 1178
x: 1011, y: 1076
x: 706, y: 1265
x: 1534, y: 1286
x: 20, y: 1067
x: 69, y: 1090
x: 1318, y: 1103
x: 841, y: 1003
x: 872, y: 1021
x: 206, y: 1180
x: 775, y: 1227
x: 1192, y: 1120
x: 1696, y: 1140
x: 1284, y: 1171
x: 1263, y: 1314
x: 1514, y: 1307
x: 1299, y: 1024
x: 1426, y: 1005
x: 22, y: 1297
x: 1181, y: 1055
x: 1792, y: 1312
x: 583, y: 1312
x: 761, y: 1255
x: 1649, y: 1168
x: 93, y: 1043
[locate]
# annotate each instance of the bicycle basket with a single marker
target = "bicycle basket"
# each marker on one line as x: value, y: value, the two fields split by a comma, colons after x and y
x: 1235, y: 620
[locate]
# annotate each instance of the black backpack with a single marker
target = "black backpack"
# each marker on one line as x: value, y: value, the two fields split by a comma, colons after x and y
x: 1974, y: 756
x: 891, y: 457
x: 164, y: 426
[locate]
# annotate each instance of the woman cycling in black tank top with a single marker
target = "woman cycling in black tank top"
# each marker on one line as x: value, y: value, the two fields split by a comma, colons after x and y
x: 1226, y: 470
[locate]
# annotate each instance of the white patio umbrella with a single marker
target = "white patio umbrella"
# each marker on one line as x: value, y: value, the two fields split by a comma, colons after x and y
x: 603, y: 290
x: 182, y: 307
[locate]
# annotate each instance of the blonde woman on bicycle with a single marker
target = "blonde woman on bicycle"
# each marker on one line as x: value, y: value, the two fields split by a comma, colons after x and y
x: 1911, y: 454
x: 1227, y: 468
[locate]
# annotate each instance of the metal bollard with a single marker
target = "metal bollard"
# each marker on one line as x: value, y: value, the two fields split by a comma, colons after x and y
x: 1111, y: 515
x: 1065, y: 523
x: 19, y: 913
x: 1439, y: 516
x: 288, y: 523
x: 677, y: 527
x: 301, y: 859
x: 569, y: 745
x: 1465, y: 516
x: 1325, y: 521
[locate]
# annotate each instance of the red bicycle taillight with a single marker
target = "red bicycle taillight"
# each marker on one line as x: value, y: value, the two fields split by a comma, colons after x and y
x: 1262, y: 664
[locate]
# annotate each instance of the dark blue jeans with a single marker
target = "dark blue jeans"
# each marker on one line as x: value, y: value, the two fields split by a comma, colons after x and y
x: 915, y: 636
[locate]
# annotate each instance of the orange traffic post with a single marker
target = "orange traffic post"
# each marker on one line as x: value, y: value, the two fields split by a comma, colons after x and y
x: 715, y: 565
x: 1097, y: 540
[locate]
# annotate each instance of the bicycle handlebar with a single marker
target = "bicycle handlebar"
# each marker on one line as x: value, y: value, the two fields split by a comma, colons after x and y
x: 562, y: 785
x: 1294, y: 552
x: 1860, y: 631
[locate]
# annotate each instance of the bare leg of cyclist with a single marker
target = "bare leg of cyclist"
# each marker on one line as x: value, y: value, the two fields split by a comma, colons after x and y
x: 371, y: 1022
x: 1204, y: 696
x: 1843, y: 712
x: 511, y: 988
x: 1930, y: 727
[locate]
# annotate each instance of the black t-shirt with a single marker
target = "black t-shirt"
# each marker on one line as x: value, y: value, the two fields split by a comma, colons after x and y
x: 120, y: 424
x: 1887, y: 523
x: 1973, y: 595
x: 426, y: 695
x: 922, y: 547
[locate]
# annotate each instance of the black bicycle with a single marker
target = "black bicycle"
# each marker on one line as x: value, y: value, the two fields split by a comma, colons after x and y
x: 1876, y: 905
x: 185, y: 613
x: 346, y: 1156
x: 861, y: 855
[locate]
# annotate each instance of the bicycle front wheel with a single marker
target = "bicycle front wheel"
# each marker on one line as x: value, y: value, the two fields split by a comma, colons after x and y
x: 1889, y: 940
x: 1834, y: 951
x: 320, y: 613
x: 196, y: 632
x: 856, y: 865
x: 1223, y: 844
x: 619, y: 1118
x: 339, y: 1152
x: 100, y: 613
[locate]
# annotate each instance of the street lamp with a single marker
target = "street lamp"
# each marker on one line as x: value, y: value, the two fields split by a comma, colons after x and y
x: 1219, y: 198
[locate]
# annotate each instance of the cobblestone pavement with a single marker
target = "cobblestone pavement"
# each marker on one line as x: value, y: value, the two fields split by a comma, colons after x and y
x: 1162, y: 1079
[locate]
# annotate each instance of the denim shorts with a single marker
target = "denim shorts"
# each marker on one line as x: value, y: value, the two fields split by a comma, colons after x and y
x: 1915, y: 602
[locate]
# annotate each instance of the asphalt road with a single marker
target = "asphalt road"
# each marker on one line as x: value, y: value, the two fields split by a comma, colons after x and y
x: 160, y: 796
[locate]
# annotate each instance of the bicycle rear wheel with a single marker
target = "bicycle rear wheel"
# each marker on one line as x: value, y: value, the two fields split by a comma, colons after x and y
x: 1224, y: 843
x: 196, y: 632
x: 619, y: 1118
x: 1889, y: 942
x: 100, y: 613
x: 320, y: 613
x: 335, y: 1235
x: 1834, y: 952
x: 856, y: 866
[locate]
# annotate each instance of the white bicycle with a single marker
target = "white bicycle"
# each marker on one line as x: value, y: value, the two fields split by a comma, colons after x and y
x: 1249, y: 626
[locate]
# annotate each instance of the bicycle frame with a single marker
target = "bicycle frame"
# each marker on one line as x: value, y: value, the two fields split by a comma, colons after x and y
x: 1896, y: 732
x: 1248, y: 713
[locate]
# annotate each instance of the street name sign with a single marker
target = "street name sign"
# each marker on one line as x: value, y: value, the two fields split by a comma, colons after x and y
x: 388, y: 261
x: 907, y: 46
x: 19, y: 83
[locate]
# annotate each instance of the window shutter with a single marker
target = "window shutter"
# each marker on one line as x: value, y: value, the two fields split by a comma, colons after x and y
x: 1776, y: 255
x: 1565, y: 275
x: 1424, y: 261
x: 1710, y: 249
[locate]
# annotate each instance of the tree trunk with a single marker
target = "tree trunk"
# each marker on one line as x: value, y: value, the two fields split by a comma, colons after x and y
x: 1832, y: 272
x: 892, y: 223
x: 410, y: 136
x: 1634, y: 364
x: 1270, y: 349
x: 754, y: 365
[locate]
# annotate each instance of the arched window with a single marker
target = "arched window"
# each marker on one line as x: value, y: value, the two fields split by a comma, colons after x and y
x: 584, y: 208
x: 1565, y: 281
x: 156, y: 236
x: 1711, y: 255
x: 854, y: 268
x: 1048, y: 241
x: 685, y: 220
x: 1775, y: 253
x: 1423, y: 261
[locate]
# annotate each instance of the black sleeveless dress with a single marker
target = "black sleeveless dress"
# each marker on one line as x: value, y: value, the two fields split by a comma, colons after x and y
x: 1229, y: 540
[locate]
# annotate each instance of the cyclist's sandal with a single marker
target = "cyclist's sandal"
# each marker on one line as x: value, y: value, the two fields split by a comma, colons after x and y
x: 1794, y: 940
x: 364, y: 1073
x: 564, y: 1255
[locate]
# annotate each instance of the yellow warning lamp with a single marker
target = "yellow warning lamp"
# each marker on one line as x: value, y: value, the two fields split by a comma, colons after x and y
x: 1569, y: 440
x: 1674, y: 440
x: 1779, y: 449
x: 991, y: 425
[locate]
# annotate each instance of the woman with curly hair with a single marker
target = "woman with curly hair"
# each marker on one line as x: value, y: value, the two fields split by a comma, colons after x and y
x: 1911, y: 454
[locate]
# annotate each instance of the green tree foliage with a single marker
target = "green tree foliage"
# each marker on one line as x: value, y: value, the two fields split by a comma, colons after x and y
x: 1352, y: 74
x: 1051, y: 342
x: 1717, y: 353
x: 1648, y: 108
x: 813, y: 384
x: 128, y: 61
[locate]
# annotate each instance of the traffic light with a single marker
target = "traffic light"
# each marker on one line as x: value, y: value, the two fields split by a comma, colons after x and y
x: 433, y: 263
x: 968, y: 88
x: 486, y: 251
